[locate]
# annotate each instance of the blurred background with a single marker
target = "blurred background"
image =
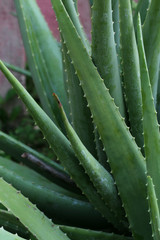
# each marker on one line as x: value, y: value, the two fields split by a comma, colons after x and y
x: 11, y: 46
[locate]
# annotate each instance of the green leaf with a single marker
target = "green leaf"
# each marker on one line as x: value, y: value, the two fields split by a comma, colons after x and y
x: 101, y: 178
x: 17, y: 69
x: 152, y: 44
x: 115, y: 17
x: 37, y: 223
x: 74, y: 16
x: 80, y: 233
x: 49, y: 197
x: 16, y: 148
x: 125, y: 158
x: 131, y: 70
x: 158, y: 98
x: 142, y: 8
x: 44, y: 57
x: 150, y: 123
x: 104, y: 50
x: 12, y: 224
x: 59, y: 143
x: 154, y: 210
x: 80, y: 113
x: 9, y: 236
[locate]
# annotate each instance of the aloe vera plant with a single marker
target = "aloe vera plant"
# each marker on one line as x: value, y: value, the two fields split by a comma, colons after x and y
x: 98, y: 114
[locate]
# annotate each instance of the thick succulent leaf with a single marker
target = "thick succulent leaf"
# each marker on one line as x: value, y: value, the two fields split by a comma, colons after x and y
x: 44, y: 56
x: 142, y: 8
x: 115, y: 17
x: 152, y: 44
x: 131, y: 71
x: 158, y: 98
x: 150, y: 123
x: 80, y: 113
x: 153, y: 209
x: 49, y: 197
x: 127, y: 162
x: 105, y: 57
x: 80, y: 233
x: 9, y: 236
x: 101, y: 178
x: 16, y: 174
x: 101, y: 154
x: 71, y: 9
x: 59, y: 143
x: 104, y: 50
x: 16, y: 148
x: 75, y: 3
x: 37, y: 223
x: 35, y: 160
x: 12, y: 224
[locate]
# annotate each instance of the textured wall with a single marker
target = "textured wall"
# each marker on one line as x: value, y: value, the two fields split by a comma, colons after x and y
x: 11, y: 47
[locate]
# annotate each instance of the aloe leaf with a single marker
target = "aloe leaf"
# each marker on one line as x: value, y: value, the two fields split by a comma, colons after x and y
x: 80, y: 233
x: 105, y: 58
x: 150, y: 123
x: 80, y: 113
x: 16, y: 148
x: 131, y: 70
x: 142, y: 8
x: 49, y: 197
x: 18, y: 69
x: 37, y: 223
x: 127, y: 161
x: 9, y: 236
x: 153, y: 209
x: 59, y: 144
x: 44, y: 56
x: 101, y: 154
x: 102, y: 180
x: 158, y: 98
x: 75, y: 4
x: 12, y: 224
x: 115, y: 17
x: 71, y: 10
x: 18, y: 151
x: 104, y: 50
x: 22, y: 173
x: 152, y: 44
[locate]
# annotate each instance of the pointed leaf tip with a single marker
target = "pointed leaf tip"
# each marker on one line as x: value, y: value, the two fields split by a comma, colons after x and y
x: 57, y: 99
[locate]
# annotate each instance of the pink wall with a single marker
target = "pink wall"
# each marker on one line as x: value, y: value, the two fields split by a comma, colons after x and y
x: 11, y: 46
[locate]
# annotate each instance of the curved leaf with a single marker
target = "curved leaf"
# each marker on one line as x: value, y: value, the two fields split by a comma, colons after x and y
x: 9, y: 236
x: 37, y: 223
x: 127, y: 161
x: 44, y: 57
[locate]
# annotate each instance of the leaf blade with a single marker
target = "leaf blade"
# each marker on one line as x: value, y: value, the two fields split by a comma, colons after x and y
x: 38, y: 224
x: 150, y: 123
x: 110, y: 126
